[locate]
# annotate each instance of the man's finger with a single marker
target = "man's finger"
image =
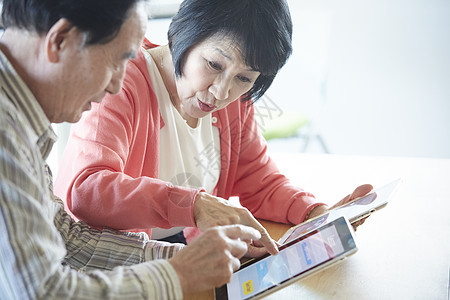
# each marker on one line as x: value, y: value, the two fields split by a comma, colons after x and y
x: 235, y: 263
x: 238, y: 248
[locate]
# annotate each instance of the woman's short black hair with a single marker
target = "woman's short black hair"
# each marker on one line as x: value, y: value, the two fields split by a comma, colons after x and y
x: 262, y: 29
x: 100, y: 20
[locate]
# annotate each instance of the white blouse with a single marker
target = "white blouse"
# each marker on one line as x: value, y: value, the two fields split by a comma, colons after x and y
x: 189, y: 156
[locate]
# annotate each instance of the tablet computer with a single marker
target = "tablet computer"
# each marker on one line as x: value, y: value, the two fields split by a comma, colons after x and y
x: 354, y: 210
x: 314, y: 251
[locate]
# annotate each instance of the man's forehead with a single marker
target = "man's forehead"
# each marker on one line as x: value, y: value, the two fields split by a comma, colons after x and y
x: 131, y: 34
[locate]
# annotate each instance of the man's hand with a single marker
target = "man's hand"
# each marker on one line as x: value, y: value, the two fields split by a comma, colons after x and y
x: 358, y: 192
x: 210, y: 211
x: 210, y: 259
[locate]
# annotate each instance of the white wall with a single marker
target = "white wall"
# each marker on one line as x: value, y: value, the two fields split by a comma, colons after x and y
x: 388, y: 74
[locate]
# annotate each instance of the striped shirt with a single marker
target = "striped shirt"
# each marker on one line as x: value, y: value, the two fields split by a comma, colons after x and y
x: 44, y: 253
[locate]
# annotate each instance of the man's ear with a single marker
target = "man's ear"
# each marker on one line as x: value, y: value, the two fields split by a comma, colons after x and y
x: 61, y: 35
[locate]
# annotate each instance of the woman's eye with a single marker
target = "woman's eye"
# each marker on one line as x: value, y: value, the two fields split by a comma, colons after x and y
x: 244, y: 79
x: 214, y: 65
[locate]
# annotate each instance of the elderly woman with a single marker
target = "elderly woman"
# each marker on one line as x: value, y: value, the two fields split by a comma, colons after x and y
x: 180, y: 139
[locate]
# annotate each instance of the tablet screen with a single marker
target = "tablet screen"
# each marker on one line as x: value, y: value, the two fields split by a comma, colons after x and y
x: 309, y: 252
x: 353, y: 210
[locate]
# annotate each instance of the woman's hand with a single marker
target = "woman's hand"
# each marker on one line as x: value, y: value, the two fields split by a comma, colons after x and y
x: 256, y: 249
x: 358, y: 192
x: 210, y: 211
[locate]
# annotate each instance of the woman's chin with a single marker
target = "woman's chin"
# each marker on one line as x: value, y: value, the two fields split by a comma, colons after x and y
x: 198, y: 114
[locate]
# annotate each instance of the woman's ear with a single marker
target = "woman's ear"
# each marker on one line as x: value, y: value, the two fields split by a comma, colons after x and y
x: 60, y: 35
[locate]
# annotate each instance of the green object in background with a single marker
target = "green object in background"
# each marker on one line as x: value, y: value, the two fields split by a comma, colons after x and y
x: 286, y: 125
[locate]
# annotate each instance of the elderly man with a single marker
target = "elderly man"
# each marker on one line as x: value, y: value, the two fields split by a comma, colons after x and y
x: 56, y: 58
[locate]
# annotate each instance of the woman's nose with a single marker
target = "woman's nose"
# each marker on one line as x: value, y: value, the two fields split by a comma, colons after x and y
x: 220, y: 89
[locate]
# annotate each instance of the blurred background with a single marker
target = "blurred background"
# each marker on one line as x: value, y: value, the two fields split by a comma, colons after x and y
x: 368, y: 77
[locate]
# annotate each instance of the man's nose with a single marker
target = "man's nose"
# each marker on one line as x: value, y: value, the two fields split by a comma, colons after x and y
x: 115, y: 84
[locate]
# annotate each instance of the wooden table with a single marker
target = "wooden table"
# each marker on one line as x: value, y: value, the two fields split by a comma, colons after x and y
x: 404, y: 249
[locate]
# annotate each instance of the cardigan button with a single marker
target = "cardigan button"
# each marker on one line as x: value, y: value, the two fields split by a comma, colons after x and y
x: 214, y: 120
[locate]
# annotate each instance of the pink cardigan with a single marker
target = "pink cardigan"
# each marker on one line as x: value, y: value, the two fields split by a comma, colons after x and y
x: 108, y: 175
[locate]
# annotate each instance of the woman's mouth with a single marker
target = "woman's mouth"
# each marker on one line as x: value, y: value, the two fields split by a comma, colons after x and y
x: 205, y: 107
